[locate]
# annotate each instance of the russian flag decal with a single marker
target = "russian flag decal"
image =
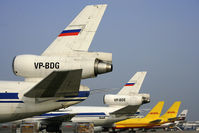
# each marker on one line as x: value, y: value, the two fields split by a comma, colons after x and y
x: 129, y: 84
x: 70, y: 32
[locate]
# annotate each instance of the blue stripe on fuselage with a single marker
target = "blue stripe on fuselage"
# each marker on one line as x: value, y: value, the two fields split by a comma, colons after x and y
x: 15, y: 96
x: 9, y: 96
x: 70, y: 100
x: 78, y: 114
x: 81, y: 94
x: 91, y: 114
x: 11, y: 102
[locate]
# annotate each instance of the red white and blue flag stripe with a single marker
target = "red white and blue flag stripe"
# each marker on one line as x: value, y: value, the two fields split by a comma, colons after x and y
x: 129, y: 84
x: 74, y: 32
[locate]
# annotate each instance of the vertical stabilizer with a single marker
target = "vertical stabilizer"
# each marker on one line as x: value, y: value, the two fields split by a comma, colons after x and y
x: 134, y: 84
x: 183, y: 113
x: 182, y: 116
x: 172, y: 111
x: 80, y: 32
x: 156, y: 111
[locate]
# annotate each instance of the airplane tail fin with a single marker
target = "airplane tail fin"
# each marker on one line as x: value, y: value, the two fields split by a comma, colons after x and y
x: 172, y: 111
x: 134, y: 84
x: 80, y: 32
x: 182, y: 116
x: 156, y: 111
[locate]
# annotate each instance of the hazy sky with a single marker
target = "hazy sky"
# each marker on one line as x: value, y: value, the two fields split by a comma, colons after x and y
x: 161, y: 37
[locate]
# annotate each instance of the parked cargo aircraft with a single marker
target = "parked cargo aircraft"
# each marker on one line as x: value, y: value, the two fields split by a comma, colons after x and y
x: 177, y: 123
x: 52, y: 80
x: 152, y: 119
x: 148, y: 120
x: 120, y: 107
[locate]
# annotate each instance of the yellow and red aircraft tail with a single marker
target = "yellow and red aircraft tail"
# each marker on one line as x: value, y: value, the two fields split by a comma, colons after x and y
x: 156, y: 111
x: 172, y: 111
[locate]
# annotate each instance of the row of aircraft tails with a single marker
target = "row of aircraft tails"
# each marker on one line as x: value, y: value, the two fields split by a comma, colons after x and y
x: 119, y: 107
x: 52, y: 81
x: 153, y: 118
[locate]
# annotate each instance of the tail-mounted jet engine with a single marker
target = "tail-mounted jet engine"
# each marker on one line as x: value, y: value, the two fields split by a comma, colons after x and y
x: 33, y: 66
x: 137, y: 99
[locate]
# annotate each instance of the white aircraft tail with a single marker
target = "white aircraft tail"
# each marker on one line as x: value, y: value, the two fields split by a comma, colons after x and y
x: 182, y: 116
x: 78, y: 35
x: 134, y: 84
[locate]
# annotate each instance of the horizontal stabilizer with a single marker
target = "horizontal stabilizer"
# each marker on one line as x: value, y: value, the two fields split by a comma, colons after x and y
x: 126, y: 110
x: 60, y: 118
x: 57, y: 84
x: 155, y: 121
x: 173, y: 119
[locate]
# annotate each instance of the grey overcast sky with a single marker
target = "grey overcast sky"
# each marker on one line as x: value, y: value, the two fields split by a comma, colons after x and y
x: 158, y: 36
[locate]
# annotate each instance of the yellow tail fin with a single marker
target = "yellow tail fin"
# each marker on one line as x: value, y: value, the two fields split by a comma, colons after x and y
x: 156, y: 111
x: 172, y: 111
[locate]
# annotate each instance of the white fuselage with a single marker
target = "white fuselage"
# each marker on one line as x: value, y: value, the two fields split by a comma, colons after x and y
x: 100, y: 116
x: 14, y: 105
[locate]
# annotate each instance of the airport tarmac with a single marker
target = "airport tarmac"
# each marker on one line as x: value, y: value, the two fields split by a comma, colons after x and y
x: 154, y: 132
x: 164, y: 132
x: 160, y: 132
x: 174, y: 131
